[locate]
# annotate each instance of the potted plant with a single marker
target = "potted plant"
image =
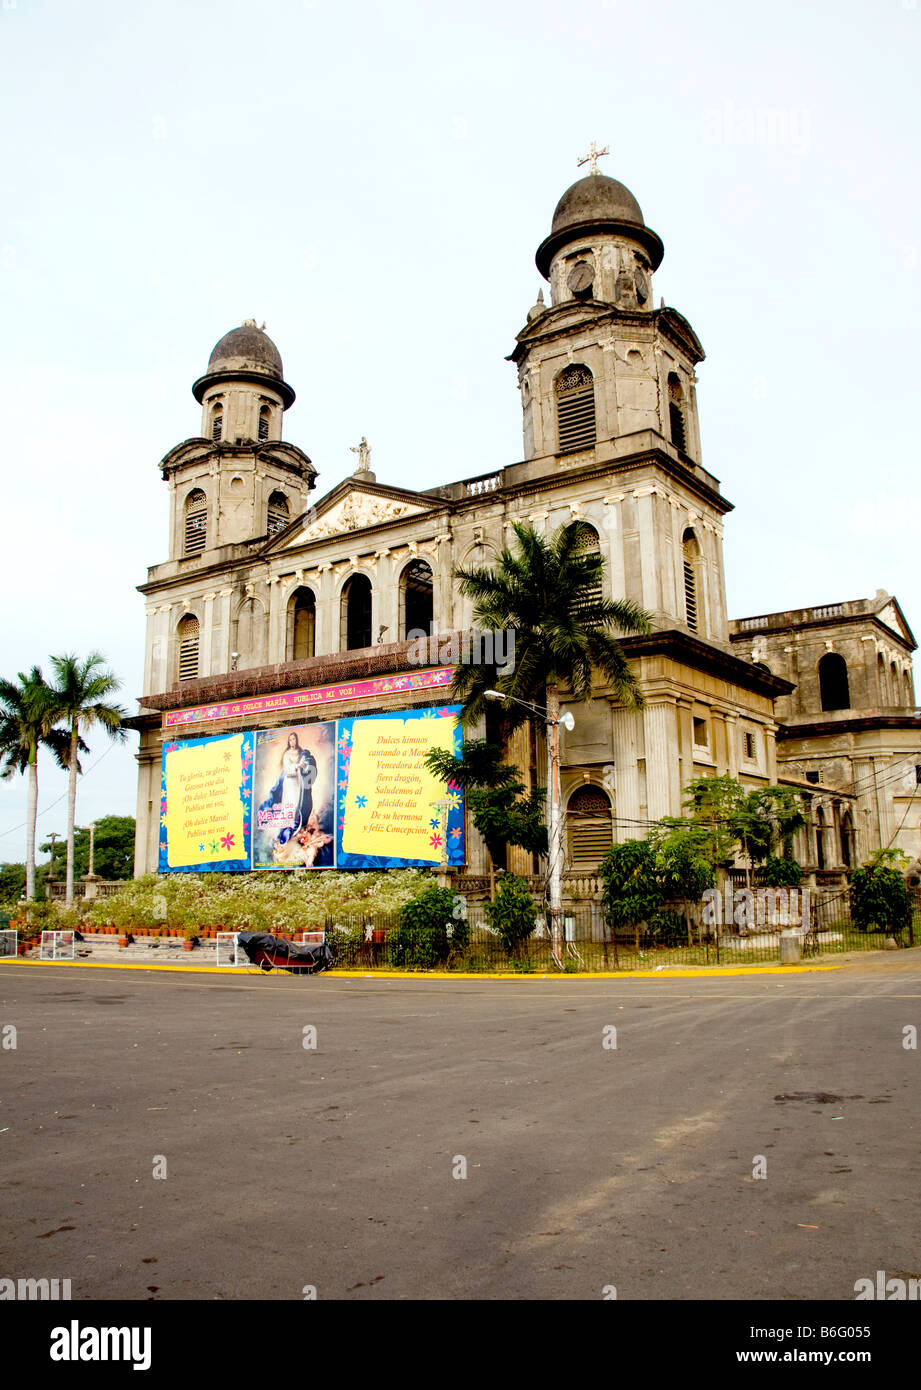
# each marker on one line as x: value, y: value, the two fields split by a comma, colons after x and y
x: 191, y: 938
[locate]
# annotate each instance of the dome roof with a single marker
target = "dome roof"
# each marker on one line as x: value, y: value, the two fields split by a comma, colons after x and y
x: 596, y: 198
x: 247, y: 352
x: 249, y: 348
x: 597, y: 204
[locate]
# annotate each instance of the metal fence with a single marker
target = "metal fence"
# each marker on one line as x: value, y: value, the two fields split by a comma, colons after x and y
x: 379, y: 942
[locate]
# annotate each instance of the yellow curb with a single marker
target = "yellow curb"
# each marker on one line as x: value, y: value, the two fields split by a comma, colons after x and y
x: 124, y: 965
x: 702, y: 972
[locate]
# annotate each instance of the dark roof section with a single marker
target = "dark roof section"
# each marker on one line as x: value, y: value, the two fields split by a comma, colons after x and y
x: 597, y: 204
x: 245, y: 353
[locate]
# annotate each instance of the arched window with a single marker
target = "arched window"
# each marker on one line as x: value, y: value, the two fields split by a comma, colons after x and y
x: 676, y: 423
x: 196, y: 522
x: 575, y: 409
x: 264, y: 416
x: 187, y: 634
x: 302, y: 623
x: 355, y: 614
x: 278, y: 516
x: 894, y: 683
x: 588, y: 542
x: 909, y: 694
x: 590, y: 822
x: 833, y: 685
x: 417, y: 610
x: 249, y: 634
x: 690, y: 555
x: 881, y: 678
x: 820, y: 838
x: 847, y: 839
x: 217, y: 422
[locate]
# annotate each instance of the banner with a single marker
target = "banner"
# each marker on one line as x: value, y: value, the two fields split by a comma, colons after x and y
x: 392, y: 812
x: 205, y: 803
x: 294, y: 796
x: 299, y: 701
x: 348, y: 794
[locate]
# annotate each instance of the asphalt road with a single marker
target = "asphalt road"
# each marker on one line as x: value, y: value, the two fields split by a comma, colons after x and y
x: 586, y: 1166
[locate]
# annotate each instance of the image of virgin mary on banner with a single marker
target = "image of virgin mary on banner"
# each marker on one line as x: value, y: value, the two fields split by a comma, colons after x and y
x: 294, y: 798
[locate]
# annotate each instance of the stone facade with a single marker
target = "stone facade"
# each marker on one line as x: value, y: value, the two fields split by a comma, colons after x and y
x: 849, y: 733
x: 266, y: 590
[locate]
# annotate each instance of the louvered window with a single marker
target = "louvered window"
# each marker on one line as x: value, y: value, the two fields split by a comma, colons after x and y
x: 575, y: 409
x: 676, y: 422
x: 690, y: 553
x: 188, y: 649
x: 591, y: 828
x: 278, y: 517
x: 217, y: 425
x: 587, y: 543
x: 264, y: 423
x: 196, y: 522
x: 690, y: 595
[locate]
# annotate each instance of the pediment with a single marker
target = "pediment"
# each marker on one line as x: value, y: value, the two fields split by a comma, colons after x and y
x: 355, y: 511
x: 891, y: 616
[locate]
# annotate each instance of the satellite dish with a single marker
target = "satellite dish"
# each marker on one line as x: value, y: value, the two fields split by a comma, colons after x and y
x: 567, y: 721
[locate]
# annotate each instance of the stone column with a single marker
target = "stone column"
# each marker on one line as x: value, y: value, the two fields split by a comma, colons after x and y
x: 624, y: 737
x: 612, y: 541
x: 659, y: 729
x: 646, y: 525
x: 206, y: 636
x: 731, y: 731
x: 685, y: 714
x: 326, y: 635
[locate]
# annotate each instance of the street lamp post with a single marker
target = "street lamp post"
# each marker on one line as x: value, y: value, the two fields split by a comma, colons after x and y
x: 552, y: 720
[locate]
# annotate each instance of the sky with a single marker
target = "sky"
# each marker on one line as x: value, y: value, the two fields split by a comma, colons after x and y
x: 372, y: 181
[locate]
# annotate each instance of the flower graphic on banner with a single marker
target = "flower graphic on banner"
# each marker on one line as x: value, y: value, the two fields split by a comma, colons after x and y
x: 226, y: 841
x: 436, y: 841
x: 361, y: 802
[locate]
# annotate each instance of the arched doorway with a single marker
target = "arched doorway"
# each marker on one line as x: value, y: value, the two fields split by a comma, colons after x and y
x: 300, y: 639
x: 833, y: 683
x: 590, y: 822
x: 417, y: 602
x: 355, y: 614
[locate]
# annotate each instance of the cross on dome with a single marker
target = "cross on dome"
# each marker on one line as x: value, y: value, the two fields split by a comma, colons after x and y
x: 593, y: 156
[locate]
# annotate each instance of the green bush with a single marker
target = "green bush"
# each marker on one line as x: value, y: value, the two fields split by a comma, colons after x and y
x: 669, y: 928
x: 512, y: 914
x: 632, y: 891
x: 780, y: 872
x: 430, y: 928
x: 879, y: 900
x: 292, y: 901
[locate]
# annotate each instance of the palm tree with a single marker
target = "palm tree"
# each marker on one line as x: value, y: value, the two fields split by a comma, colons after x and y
x: 548, y: 594
x: 27, y: 716
x: 80, y: 701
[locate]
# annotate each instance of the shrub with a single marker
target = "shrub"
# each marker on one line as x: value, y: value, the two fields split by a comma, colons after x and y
x: 512, y: 913
x: 632, y: 891
x: 669, y: 928
x: 422, y: 940
x: 879, y: 899
x: 781, y: 872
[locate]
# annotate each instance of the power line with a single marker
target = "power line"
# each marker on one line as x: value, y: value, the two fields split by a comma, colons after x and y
x: 4, y: 833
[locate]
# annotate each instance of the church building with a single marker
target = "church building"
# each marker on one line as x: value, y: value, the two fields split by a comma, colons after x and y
x: 272, y: 592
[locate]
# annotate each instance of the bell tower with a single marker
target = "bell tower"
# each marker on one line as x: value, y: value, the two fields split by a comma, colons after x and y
x: 601, y: 365
x: 608, y: 394
x: 239, y: 479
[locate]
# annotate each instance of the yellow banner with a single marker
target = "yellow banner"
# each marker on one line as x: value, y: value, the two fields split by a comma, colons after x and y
x: 389, y: 809
x: 204, y: 812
